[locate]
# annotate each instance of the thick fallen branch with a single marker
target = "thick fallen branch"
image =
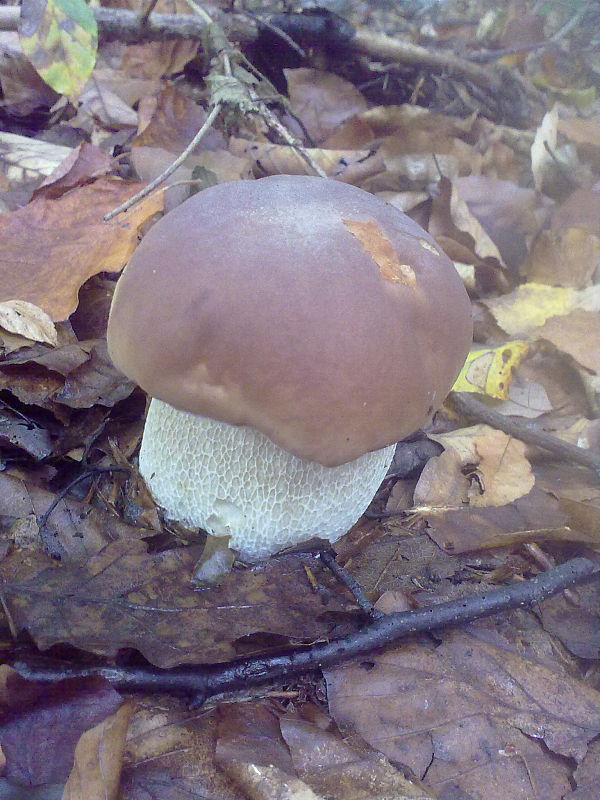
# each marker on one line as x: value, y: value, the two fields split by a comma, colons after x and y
x: 129, y: 26
x: 527, y: 432
x: 205, y: 681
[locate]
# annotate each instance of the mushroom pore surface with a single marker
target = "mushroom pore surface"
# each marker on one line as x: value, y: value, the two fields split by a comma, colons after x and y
x: 317, y: 322
x: 233, y: 480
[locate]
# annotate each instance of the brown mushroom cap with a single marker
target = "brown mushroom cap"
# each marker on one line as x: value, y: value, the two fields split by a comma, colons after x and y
x: 303, y: 307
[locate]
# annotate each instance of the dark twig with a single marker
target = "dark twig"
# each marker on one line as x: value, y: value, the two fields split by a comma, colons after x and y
x: 277, y: 31
x: 150, y: 6
x: 205, y: 681
x: 525, y: 431
x: 346, y: 579
x: 64, y: 492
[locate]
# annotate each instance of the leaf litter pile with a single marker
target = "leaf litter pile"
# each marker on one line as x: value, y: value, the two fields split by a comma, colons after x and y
x: 479, y: 120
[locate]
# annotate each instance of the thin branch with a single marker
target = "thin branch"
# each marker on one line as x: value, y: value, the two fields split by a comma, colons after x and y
x: 125, y: 26
x: 64, y: 492
x: 170, y: 169
x: 205, y: 681
x: 147, y: 11
x: 468, y: 405
x: 348, y: 580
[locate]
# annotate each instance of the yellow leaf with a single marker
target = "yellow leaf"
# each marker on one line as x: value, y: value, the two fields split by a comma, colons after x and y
x: 60, y: 38
x: 489, y: 371
x: 529, y: 306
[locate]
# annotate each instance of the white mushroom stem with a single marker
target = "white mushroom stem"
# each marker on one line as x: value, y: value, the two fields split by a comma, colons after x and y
x: 234, y: 480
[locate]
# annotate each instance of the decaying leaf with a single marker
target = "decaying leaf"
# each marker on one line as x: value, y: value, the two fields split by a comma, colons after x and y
x: 475, y: 720
x: 490, y: 371
x: 126, y: 597
x: 60, y: 37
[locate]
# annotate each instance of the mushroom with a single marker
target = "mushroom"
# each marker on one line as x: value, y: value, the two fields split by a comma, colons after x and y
x: 290, y: 331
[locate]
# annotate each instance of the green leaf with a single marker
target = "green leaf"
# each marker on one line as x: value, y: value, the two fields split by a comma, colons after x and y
x: 60, y: 38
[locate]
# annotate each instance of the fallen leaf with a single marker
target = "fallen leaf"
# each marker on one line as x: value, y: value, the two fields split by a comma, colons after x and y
x: 565, y: 257
x: 24, y: 158
x: 60, y: 39
x: 26, y: 319
x: 489, y: 371
x: 322, y: 100
x: 98, y: 102
x: 175, y: 121
x: 40, y: 725
x: 509, y: 213
x: 442, y: 483
x: 576, y: 333
x: 460, y: 234
x: 529, y: 306
x: 96, y: 772
x: 468, y: 713
x: 126, y: 597
x: 74, y: 531
x: 504, y: 471
x: 23, y: 91
x: 17, y: 432
x: 80, y: 166
x: 71, y: 243
x: 170, y: 755
x: 536, y: 517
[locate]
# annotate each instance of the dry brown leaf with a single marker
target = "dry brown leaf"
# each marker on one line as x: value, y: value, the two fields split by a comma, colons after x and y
x: 99, y: 103
x: 126, y: 597
x: 564, y: 257
x: 17, y: 432
x: 350, y: 166
x: 74, y: 531
x: 81, y: 165
x: 53, y: 246
x: 576, y: 333
x: 152, y: 60
x: 354, y: 134
x: 504, y: 471
x: 475, y: 720
x: 322, y: 100
x: 174, y: 122
x: 442, y: 483
x: 43, y: 723
x: 509, y: 213
x: 27, y: 320
x: 98, y: 759
x: 536, y: 517
x: 584, y: 132
x: 273, y: 758
x: 581, y: 209
x: 461, y: 235
x: 171, y: 754
x: 23, y: 91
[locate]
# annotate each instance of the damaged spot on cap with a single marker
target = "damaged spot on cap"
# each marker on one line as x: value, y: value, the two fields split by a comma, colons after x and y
x: 381, y: 250
x: 428, y: 246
